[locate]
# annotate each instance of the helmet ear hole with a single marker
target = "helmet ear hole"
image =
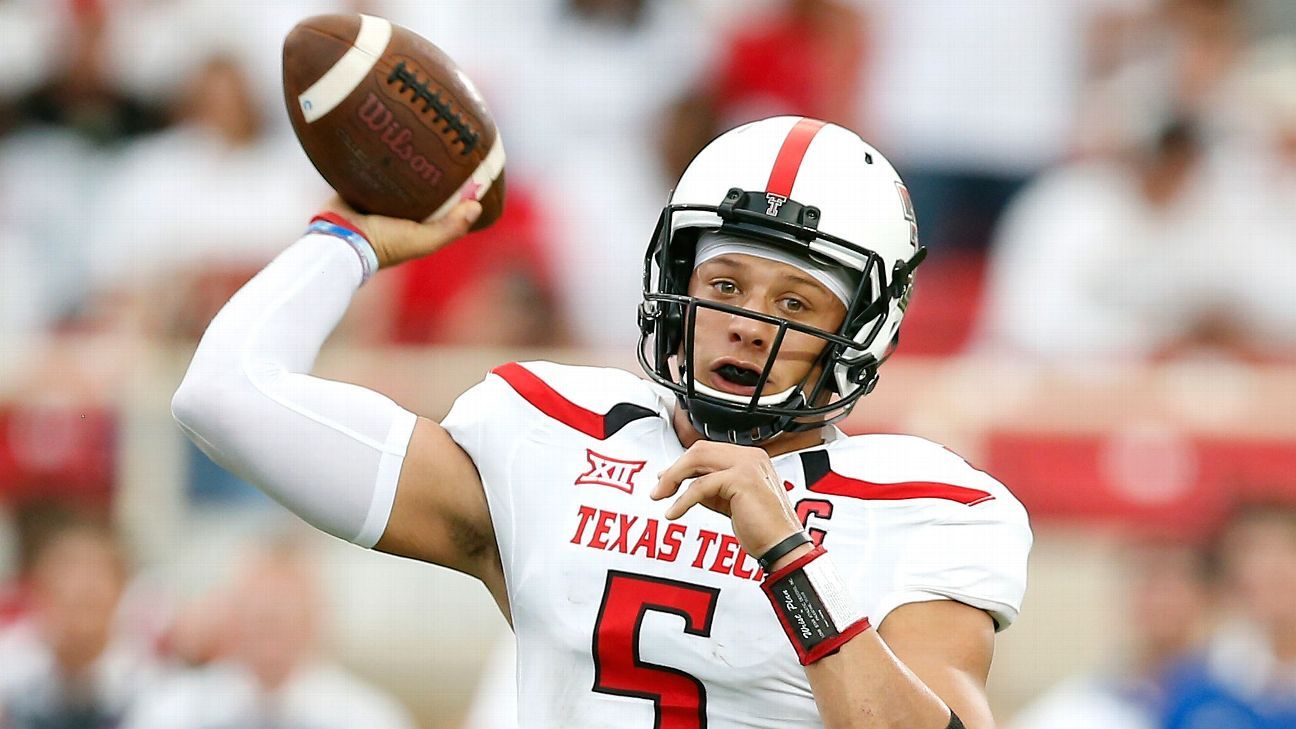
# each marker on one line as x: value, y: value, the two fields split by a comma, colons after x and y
x: 871, y: 383
x: 863, y: 374
x: 678, y: 257
x: 672, y: 327
x: 648, y: 318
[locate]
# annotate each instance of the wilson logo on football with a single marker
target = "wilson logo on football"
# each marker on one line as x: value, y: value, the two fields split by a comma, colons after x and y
x: 604, y: 471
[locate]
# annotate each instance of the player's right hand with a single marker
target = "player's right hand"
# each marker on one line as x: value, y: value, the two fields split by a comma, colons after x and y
x: 396, y: 240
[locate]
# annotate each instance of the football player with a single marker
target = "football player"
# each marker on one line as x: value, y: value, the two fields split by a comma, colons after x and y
x: 827, y: 581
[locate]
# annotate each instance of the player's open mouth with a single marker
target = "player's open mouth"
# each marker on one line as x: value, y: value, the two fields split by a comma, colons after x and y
x: 738, y: 378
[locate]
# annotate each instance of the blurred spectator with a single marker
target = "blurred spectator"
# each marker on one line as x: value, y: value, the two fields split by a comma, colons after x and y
x: 34, y: 523
x: 155, y: 47
x: 1176, y: 63
x: 66, y: 667
x: 1246, y: 676
x: 579, y: 88
x: 1114, y: 260
x: 971, y: 99
x: 191, y: 213
x: 1183, y: 245
x: 496, y: 288
x: 805, y: 57
x: 27, y: 30
x: 270, y: 672
x: 23, y: 319
x: 81, y: 94
x: 1166, y: 601
x: 202, y: 632
x: 1258, y: 181
x: 49, y: 177
x: 800, y: 57
x: 1207, y: 38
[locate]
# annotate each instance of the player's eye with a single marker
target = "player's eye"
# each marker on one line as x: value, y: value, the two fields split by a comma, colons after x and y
x: 724, y: 287
x: 793, y: 304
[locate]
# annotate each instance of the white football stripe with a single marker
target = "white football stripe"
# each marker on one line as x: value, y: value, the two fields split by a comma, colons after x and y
x: 485, y: 174
x: 338, y: 82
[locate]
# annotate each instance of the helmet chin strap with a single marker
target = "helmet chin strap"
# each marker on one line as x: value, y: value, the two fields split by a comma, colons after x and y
x: 726, y: 424
x: 717, y: 422
x: 721, y: 423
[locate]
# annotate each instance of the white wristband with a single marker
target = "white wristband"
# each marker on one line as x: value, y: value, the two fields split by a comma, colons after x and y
x: 339, y: 227
x: 814, y: 606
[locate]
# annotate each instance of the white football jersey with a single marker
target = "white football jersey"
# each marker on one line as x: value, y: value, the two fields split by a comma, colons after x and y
x: 625, y: 618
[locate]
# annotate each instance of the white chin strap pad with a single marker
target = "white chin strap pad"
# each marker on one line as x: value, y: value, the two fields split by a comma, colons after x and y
x: 777, y: 398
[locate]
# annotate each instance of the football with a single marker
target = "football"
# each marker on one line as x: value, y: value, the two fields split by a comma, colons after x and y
x: 389, y: 120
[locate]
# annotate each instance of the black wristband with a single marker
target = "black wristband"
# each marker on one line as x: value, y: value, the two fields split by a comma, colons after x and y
x: 781, y: 549
x: 954, y: 721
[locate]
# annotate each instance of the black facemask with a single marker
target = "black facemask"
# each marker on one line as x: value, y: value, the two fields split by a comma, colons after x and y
x: 668, y: 315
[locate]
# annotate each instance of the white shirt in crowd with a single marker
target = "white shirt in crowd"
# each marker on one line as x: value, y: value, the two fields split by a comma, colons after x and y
x: 33, y: 688
x: 1085, y: 268
x: 959, y: 85
x: 184, y: 199
x: 580, y: 104
x: 226, y: 696
x: 1084, y: 702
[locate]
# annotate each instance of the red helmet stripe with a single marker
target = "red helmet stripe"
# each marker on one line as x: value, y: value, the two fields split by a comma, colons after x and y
x: 788, y: 161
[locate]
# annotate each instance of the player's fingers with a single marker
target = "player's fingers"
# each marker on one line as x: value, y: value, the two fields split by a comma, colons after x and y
x: 454, y: 223
x: 703, y: 489
x: 436, y: 234
x: 339, y: 206
x: 689, y: 465
x: 396, y: 240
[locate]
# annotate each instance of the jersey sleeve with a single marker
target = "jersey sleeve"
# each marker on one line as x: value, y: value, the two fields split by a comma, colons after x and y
x: 479, y: 418
x: 977, y: 558
x: 973, y: 553
x: 489, y: 424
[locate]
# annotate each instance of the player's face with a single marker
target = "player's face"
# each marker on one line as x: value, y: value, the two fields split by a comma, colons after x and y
x: 731, y: 350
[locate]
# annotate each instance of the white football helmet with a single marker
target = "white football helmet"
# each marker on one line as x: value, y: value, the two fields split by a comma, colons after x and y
x: 809, y: 187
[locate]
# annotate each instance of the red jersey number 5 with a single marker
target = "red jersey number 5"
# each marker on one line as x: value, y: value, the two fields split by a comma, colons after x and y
x: 679, y: 699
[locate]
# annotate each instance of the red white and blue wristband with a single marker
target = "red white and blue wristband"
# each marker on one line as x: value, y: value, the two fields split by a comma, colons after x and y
x: 339, y: 227
x: 814, y: 606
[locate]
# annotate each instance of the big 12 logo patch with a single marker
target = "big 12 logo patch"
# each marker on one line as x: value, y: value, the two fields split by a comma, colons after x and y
x: 606, y: 471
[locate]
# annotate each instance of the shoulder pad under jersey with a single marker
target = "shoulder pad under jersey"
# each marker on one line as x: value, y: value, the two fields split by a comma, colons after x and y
x: 887, y: 467
x: 597, y: 401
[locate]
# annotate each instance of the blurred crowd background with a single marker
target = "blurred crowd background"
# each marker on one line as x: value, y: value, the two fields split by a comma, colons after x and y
x: 1107, y: 322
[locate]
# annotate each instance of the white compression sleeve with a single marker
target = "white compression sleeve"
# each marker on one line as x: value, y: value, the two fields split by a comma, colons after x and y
x: 329, y: 451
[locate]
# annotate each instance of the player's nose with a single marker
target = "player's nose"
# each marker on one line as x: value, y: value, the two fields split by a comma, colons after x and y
x: 751, y: 331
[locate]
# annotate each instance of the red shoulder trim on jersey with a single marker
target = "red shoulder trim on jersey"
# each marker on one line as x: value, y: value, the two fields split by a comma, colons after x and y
x: 837, y: 485
x: 548, y: 401
x: 821, y: 480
